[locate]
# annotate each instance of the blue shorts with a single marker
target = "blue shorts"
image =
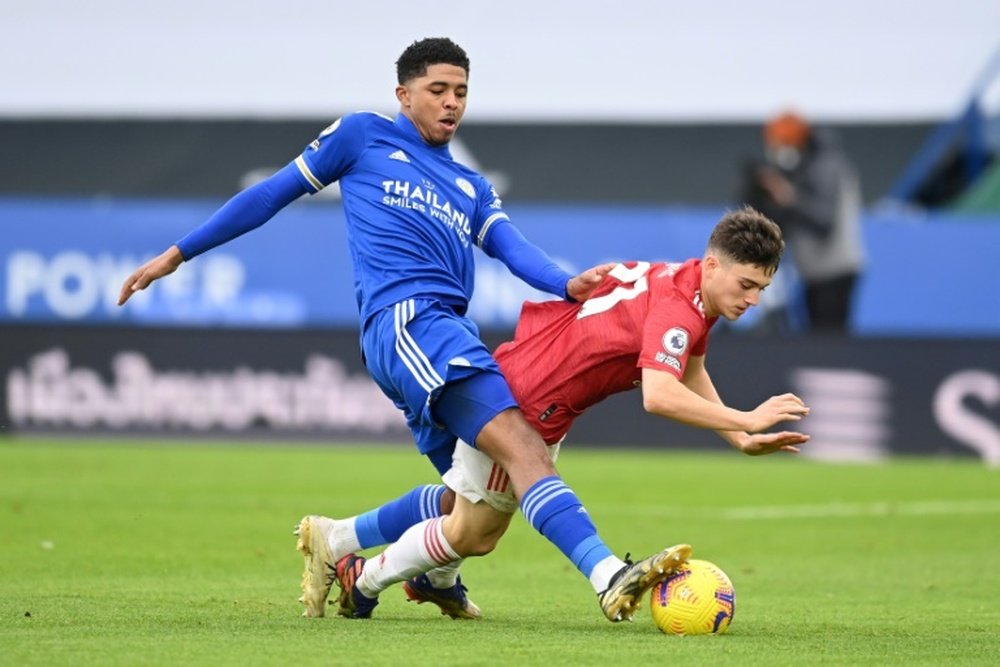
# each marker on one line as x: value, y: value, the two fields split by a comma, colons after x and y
x: 419, y: 349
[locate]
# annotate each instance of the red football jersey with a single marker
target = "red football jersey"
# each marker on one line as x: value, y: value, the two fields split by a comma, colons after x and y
x: 566, y: 357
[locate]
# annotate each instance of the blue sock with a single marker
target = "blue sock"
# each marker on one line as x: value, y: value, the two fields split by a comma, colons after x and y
x: 385, y: 524
x: 553, y: 510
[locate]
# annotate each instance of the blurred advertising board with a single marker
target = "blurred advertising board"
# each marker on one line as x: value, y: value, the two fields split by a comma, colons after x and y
x: 870, y: 398
x: 63, y: 262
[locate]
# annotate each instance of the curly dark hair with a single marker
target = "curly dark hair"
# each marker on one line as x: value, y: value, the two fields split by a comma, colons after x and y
x: 747, y: 236
x: 429, y: 51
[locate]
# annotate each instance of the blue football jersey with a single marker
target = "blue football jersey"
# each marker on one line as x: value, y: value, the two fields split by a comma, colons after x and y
x: 413, y: 213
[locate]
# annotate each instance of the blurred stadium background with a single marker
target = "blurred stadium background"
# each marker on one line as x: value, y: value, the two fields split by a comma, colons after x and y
x: 610, y: 136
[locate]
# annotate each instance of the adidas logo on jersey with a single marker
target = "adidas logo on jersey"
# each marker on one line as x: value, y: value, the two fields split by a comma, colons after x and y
x: 399, y: 155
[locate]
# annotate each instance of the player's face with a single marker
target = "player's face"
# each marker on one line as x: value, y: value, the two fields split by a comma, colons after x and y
x: 435, y: 102
x: 729, y: 289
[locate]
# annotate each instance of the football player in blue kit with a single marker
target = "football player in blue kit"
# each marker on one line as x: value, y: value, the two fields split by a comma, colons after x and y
x: 413, y: 216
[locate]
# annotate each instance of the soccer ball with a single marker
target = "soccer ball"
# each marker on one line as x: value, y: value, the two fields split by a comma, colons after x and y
x: 698, y: 599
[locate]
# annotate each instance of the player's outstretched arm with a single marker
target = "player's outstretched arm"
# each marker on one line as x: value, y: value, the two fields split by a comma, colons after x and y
x: 161, y: 265
x: 698, y: 380
x: 533, y: 265
x: 694, y: 402
x: 666, y: 396
x: 245, y: 211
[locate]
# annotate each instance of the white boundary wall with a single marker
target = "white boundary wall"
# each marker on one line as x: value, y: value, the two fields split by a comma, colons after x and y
x: 633, y: 60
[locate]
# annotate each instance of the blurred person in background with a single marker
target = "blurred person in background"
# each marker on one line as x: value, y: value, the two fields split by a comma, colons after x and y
x: 810, y: 189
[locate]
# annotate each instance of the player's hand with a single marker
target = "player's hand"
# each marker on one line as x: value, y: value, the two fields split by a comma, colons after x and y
x: 160, y: 266
x: 759, y: 444
x: 777, y: 409
x: 579, y: 288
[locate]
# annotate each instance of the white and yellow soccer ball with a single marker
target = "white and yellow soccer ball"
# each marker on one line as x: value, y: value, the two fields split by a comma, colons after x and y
x: 698, y: 599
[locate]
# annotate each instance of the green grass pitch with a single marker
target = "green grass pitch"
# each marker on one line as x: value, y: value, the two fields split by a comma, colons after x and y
x: 182, y: 553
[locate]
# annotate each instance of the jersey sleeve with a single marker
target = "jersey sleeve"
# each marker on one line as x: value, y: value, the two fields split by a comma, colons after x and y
x: 248, y: 210
x: 673, y: 331
x: 333, y: 152
x: 700, y: 346
x: 489, y: 211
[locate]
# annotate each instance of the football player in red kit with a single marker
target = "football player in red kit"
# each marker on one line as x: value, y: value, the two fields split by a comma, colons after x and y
x: 645, y: 326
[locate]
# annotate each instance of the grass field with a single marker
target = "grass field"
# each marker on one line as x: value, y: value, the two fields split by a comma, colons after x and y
x: 153, y: 553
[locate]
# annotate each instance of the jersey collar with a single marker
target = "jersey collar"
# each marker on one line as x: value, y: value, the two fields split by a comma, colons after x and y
x: 411, y: 131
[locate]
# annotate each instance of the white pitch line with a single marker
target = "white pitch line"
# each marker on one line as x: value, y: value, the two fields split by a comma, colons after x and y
x: 881, y: 509
x: 877, y: 509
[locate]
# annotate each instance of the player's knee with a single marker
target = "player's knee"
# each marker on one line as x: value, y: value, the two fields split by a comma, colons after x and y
x: 485, y: 543
x: 483, y: 547
x: 475, y: 530
x: 447, y: 501
x: 488, y: 545
x: 477, y: 544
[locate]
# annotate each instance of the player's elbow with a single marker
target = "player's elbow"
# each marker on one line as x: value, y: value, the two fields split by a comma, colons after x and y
x: 655, y: 404
x: 665, y: 403
x: 661, y: 392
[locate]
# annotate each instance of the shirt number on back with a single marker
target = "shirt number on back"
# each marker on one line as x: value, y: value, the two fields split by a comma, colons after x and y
x: 634, y: 283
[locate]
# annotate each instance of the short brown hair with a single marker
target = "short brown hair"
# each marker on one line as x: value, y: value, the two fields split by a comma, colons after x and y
x: 747, y: 236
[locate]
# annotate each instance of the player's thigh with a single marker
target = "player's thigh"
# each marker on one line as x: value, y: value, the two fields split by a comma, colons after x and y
x: 415, y: 350
x: 478, y: 479
x: 512, y: 442
x: 466, y: 406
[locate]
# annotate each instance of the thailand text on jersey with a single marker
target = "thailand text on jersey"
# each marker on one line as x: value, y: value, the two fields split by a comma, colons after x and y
x: 566, y: 357
x: 413, y: 213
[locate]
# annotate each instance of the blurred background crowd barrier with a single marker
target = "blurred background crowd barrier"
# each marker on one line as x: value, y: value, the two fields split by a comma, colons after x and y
x: 258, y: 338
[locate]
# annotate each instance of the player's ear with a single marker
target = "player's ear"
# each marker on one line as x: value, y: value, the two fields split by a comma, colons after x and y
x: 710, y: 263
x: 403, y: 95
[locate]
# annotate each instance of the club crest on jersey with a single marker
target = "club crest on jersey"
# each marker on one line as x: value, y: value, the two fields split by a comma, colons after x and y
x: 465, y: 187
x: 675, y: 341
x: 496, y: 199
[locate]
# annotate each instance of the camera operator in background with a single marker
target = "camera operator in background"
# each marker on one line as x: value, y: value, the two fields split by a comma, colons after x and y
x: 808, y: 187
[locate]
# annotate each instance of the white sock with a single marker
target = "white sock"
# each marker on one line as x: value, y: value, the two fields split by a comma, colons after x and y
x: 343, y: 539
x: 600, y: 576
x: 445, y: 576
x: 420, y: 549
